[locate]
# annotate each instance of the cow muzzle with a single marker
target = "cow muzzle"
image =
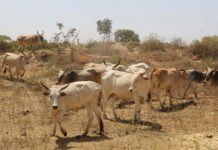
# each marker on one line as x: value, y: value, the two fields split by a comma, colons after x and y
x: 55, y: 107
x: 131, y: 90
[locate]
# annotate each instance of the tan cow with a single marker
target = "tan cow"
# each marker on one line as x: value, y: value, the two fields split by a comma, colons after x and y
x: 29, y: 40
x: 15, y: 61
x: 166, y: 79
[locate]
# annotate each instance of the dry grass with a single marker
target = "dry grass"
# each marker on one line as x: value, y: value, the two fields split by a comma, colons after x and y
x: 26, y: 122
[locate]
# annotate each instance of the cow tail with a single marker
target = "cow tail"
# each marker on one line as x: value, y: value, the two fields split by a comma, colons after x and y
x: 99, y: 98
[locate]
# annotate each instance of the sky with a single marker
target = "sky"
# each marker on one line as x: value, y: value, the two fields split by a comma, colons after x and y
x: 188, y: 19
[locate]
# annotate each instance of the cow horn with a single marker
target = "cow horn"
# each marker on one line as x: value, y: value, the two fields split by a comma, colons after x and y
x: 37, y: 32
x: 64, y: 87
x: 42, y: 32
x: 117, y: 64
x: 208, y: 68
x: 44, y: 86
x: 104, y: 62
x: 144, y: 72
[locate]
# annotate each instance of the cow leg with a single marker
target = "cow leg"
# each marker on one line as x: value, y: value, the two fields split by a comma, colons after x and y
x: 98, y: 116
x: 55, y: 126
x: 113, y: 109
x: 90, y: 119
x: 10, y: 72
x: 159, y: 94
x: 23, y: 72
x: 188, y: 86
x: 103, y: 105
x: 170, y: 97
x: 195, y: 92
x: 17, y: 72
x: 137, y: 109
x: 63, y: 131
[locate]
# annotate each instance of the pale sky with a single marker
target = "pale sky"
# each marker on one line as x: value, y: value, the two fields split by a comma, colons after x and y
x: 189, y: 19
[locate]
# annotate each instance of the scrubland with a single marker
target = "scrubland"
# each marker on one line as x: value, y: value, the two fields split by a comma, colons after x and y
x: 26, y: 122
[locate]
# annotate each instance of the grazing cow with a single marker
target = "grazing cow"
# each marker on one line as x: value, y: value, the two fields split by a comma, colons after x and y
x: 193, y: 76
x: 15, y: 61
x: 74, y: 96
x: 115, y: 84
x: 29, y: 40
x: 211, y: 75
x: 166, y: 79
x: 78, y: 75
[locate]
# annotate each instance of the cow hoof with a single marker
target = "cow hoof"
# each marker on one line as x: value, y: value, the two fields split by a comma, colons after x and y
x: 65, y: 134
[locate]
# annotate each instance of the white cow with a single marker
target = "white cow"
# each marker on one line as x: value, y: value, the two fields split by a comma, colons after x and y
x: 138, y: 67
x: 115, y: 84
x: 15, y: 61
x: 74, y: 96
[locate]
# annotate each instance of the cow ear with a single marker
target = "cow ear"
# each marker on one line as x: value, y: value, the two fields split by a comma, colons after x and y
x: 46, y: 93
x: 63, y: 94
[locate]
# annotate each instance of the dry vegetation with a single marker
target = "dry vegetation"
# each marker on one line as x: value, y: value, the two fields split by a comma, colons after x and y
x: 26, y: 122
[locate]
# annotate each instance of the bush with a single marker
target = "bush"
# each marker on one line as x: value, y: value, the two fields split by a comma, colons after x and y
x: 178, y: 43
x: 207, y: 47
x: 153, y: 43
x: 6, y: 44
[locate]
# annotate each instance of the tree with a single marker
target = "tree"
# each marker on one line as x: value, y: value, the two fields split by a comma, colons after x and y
x: 126, y: 35
x: 104, y: 28
x: 66, y: 39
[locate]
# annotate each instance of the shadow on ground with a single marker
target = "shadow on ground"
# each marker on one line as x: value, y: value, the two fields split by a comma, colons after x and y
x: 62, y: 142
x: 27, y: 83
x: 153, y: 126
x: 177, y: 107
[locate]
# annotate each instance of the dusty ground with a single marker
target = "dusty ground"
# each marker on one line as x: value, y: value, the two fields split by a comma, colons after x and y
x: 26, y: 122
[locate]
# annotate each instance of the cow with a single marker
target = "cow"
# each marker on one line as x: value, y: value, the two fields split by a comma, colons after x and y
x: 166, y: 79
x: 105, y: 66
x: 74, y: 96
x: 115, y: 84
x: 15, y: 61
x: 78, y: 75
x: 29, y: 40
x: 211, y: 75
x: 138, y: 67
x: 193, y: 76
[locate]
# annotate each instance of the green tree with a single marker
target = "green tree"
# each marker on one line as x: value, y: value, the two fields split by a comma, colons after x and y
x: 126, y: 35
x: 6, y: 44
x: 104, y: 28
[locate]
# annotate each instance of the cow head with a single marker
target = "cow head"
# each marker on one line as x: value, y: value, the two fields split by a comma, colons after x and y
x: 209, y: 75
x: 139, y: 81
x: 40, y: 36
x: 109, y: 67
x: 54, y: 93
x: 61, y: 76
x: 26, y: 57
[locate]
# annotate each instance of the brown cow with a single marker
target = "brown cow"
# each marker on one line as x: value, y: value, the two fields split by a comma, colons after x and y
x: 166, y: 79
x: 29, y: 40
x: 91, y: 74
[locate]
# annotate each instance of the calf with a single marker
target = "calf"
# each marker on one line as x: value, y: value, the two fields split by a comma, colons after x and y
x: 115, y: 84
x: 211, y: 75
x: 78, y: 75
x: 15, y: 61
x: 166, y: 79
x: 74, y: 96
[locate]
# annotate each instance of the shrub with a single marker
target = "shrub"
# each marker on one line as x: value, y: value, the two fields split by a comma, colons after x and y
x: 178, y: 43
x: 153, y: 43
x: 207, y: 47
x: 6, y: 44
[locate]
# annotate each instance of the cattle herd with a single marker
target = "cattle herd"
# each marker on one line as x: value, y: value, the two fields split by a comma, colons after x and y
x: 102, y: 84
